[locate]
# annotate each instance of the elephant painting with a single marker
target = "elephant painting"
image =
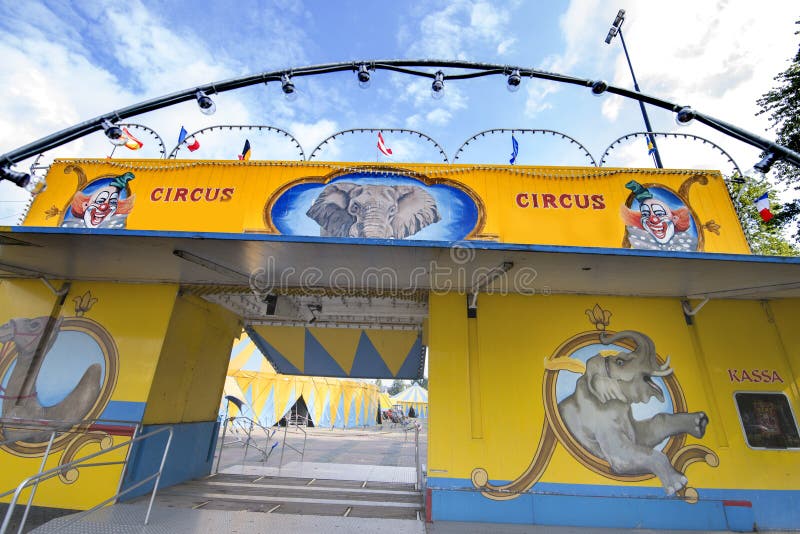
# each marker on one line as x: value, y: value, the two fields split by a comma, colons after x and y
x: 20, y: 400
x: 346, y: 209
x: 598, y: 413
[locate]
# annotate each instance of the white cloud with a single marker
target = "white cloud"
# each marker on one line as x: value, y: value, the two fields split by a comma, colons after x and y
x: 461, y: 30
x: 311, y: 134
x: 439, y: 117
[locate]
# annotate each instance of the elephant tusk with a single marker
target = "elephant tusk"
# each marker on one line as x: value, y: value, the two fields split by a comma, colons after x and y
x: 666, y: 364
x: 662, y: 372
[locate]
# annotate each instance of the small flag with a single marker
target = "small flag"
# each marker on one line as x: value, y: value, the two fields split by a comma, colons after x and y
x: 385, y: 150
x: 762, y: 205
x: 191, y: 143
x: 130, y: 141
x: 514, y: 149
x: 651, y: 148
x: 245, y: 155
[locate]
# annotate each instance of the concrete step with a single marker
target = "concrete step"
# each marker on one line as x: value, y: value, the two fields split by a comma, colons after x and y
x: 286, y: 495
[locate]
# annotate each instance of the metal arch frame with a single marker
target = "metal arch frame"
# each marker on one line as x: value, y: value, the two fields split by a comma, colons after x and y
x: 174, y: 152
x: 525, y: 130
x: 399, y: 65
x: 390, y: 130
x: 162, y: 148
x: 670, y: 134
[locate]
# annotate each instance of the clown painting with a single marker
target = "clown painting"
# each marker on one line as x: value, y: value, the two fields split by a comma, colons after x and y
x: 105, y: 203
x: 657, y: 219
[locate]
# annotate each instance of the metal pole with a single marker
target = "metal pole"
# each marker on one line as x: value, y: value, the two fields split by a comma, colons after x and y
x: 649, y: 128
x: 222, y: 443
x: 36, y: 486
x: 416, y: 456
x: 158, y: 478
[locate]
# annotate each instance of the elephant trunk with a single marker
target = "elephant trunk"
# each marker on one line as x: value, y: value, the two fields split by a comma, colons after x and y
x: 373, y: 223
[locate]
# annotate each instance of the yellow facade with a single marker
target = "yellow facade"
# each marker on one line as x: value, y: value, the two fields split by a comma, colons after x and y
x: 532, y: 205
x: 506, y: 418
x: 135, y: 319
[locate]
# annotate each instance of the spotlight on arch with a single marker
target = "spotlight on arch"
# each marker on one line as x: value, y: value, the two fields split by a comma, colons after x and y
x: 207, y: 106
x: 288, y: 87
x: 684, y: 116
x: 599, y: 87
x: 513, y: 81
x: 437, y: 87
x: 363, y: 76
x: 114, y: 133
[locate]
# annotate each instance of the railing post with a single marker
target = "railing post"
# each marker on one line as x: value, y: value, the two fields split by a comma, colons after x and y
x: 416, y: 456
x: 36, y: 486
x: 158, y: 477
x: 222, y: 443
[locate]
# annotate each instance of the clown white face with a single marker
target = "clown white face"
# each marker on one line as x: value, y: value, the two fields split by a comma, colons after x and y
x: 657, y: 220
x: 101, y: 205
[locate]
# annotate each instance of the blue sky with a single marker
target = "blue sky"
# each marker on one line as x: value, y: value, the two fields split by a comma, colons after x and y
x: 66, y: 62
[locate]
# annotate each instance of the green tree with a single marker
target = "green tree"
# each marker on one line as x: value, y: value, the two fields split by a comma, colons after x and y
x: 423, y: 382
x: 782, y: 106
x: 766, y: 238
x: 396, y: 387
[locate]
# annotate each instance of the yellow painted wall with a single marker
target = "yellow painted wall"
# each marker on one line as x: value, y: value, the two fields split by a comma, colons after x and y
x: 193, y: 363
x: 136, y: 317
x: 505, y: 215
x: 489, y: 412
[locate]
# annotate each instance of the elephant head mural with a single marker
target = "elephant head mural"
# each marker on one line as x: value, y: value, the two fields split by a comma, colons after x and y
x: 346, y: 209
x: 599, y: 416
x: 33, y: 339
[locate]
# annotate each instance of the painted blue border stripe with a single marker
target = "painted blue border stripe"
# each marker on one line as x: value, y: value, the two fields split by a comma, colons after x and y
x: 478, y: 245
x: 613, y: 506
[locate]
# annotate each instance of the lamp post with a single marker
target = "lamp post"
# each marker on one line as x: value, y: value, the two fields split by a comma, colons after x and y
x: 616, y: 29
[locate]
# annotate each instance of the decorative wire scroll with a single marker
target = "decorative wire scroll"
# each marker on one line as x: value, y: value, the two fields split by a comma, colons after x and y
x: 221, y: 127
x: 161, y: 148
x: 674, y: 136
x: 377, y: 130
x: 525, y: 130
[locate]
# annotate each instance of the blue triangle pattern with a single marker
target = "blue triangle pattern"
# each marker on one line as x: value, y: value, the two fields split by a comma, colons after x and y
x: 281, y: 364
x: 368, y: 362
x: 411, y: 365
x: 318, y: 361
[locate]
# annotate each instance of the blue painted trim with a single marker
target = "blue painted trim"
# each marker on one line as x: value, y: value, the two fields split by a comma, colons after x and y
x: 191, y: 455
x: 477, y: 245
x: 615, y: 507
x: 123, y: 411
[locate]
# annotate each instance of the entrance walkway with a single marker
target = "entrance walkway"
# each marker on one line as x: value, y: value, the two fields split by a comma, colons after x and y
x: 346, y: 481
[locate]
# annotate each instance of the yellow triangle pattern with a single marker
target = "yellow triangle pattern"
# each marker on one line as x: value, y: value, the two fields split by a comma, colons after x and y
x: 341, y: 344
x: 393, y: 346
x: 290, y: 341
x: 238, y: 362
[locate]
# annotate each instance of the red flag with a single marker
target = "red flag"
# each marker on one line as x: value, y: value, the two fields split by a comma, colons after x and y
x: 130, y: 141
x: 385, y: 150
x: 194, y: 145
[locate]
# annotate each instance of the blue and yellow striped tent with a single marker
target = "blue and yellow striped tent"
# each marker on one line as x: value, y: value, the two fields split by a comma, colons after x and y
x: 268, y: 396
x: 415, y: 396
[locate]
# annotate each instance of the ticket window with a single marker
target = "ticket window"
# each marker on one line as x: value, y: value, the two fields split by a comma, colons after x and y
x: 767, y: 420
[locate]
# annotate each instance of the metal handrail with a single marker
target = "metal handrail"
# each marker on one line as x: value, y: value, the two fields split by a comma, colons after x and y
x: 302, y: 453
x: 50, y: 473
x: 237, y: 421
x: 59, y: 424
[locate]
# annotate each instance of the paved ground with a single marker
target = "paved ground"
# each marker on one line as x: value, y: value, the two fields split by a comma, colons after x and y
x: 365, y: 485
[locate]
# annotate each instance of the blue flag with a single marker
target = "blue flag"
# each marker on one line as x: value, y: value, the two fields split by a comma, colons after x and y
x: 514, y: 149
x: 651, y: 148
x: 182, y: 135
